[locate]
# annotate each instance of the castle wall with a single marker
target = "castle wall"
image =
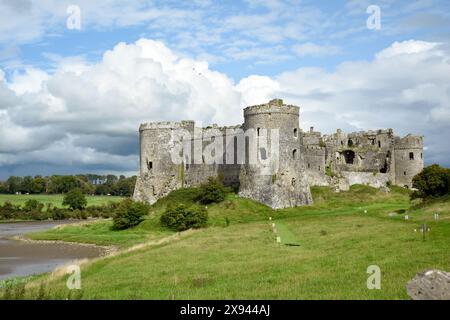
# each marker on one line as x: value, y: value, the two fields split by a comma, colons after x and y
x: 279, y: 161
x: 376, y: 180
x: 368, y: 157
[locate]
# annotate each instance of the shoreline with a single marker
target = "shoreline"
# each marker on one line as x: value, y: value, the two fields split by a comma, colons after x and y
x: 105, y: 250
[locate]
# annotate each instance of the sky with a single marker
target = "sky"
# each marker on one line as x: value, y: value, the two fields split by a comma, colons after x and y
x: 78, y: 77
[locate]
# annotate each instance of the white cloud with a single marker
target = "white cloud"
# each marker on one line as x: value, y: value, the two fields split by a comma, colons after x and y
x: 87, y: 115
x: 312, y: 49
x: 406, y: 47
x: 102, y: 103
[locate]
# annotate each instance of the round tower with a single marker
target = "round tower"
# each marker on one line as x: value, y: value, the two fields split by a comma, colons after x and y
x: 277, y: 178
x: 408, y: 159
x: 159, y: 174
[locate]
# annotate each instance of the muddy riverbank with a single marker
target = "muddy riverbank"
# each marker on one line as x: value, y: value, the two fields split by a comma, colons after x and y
x: 22, y: 258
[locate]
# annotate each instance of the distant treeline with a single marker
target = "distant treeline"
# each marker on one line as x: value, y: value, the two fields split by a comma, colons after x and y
x: 56, y: 184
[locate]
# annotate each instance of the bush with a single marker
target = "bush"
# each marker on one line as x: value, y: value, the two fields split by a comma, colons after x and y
x: 129, y: 213
x: 433, y: 181
x: 75, y: 199
x: 33, y: 205
x: 182, y: 217
x: 58, y: 214
x: 212, y: 191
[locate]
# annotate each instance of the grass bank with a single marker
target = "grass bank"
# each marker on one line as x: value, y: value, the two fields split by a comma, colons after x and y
x: 55, y: 199
x: 338, y: 238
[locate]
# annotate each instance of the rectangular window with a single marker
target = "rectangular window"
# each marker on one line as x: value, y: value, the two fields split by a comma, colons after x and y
x: 411, y: 156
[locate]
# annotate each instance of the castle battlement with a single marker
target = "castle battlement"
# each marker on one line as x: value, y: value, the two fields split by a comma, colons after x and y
x: 274, y: 106
x: 409, y: 142
x: 167, y: 125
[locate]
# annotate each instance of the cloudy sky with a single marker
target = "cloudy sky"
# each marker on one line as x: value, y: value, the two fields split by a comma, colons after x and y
x: 74, y: 91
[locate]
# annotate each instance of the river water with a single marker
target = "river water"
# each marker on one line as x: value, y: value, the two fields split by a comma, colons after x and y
x: 22, y: 258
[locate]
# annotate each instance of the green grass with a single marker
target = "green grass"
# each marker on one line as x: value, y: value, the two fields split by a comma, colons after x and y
x: 339, y: 236
x: 55, y: 199
x: 287, y: 237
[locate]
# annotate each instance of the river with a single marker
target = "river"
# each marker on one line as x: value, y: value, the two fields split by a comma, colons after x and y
x: 22, y: 258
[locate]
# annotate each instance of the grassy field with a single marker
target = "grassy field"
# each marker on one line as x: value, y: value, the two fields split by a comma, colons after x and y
x: 54, y: 199
x: 336, y: 240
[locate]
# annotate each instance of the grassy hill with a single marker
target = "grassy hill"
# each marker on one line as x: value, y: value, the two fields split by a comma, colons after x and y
x: 336, y: 240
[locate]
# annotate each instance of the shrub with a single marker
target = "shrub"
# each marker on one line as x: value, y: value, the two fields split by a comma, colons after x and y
x: 212, y: 191
x: 32, y: 205
x: 433, y: 181
x: 129, y: 213
x: 35, y: 215
x: 75, y: 199
x: 182, y: 217
x: 58, y: 214
x: 8, y: 211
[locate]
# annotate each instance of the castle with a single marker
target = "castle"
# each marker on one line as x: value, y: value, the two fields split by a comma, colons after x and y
x: 269, y: 159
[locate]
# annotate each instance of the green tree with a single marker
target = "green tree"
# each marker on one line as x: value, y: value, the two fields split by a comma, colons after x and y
x: 3, y: 187
x: 124, y: 187
x: 75, y: 199
x: 39, y: 184
x: 13, y: 184
x: 433, y: 181
x: 102, y: 189
x: 27, y: 185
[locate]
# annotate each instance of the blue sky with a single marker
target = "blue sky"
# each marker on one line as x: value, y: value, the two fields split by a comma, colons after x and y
x: 248, y: 51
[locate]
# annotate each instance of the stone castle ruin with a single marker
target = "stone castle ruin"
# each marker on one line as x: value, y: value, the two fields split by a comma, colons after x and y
x: 269, y: 159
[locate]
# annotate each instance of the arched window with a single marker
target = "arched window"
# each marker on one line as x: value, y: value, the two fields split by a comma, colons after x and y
x: 350, y: 143
x: 295, y: 133
x: 349, y: 156
x: 294, y: 154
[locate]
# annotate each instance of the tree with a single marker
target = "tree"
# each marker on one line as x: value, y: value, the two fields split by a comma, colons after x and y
x: 433, y: 181
x: 13, y: 184
x: 3, y: 187
x: 75, y: 199
x: 39, y: 185
x: 102, y: 189
x: 27, y: 185
x: 124, y: 187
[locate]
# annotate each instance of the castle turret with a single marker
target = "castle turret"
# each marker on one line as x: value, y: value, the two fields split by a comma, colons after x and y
x: 277, y: 178
x: 408, y: 159
x: 159, y: 174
